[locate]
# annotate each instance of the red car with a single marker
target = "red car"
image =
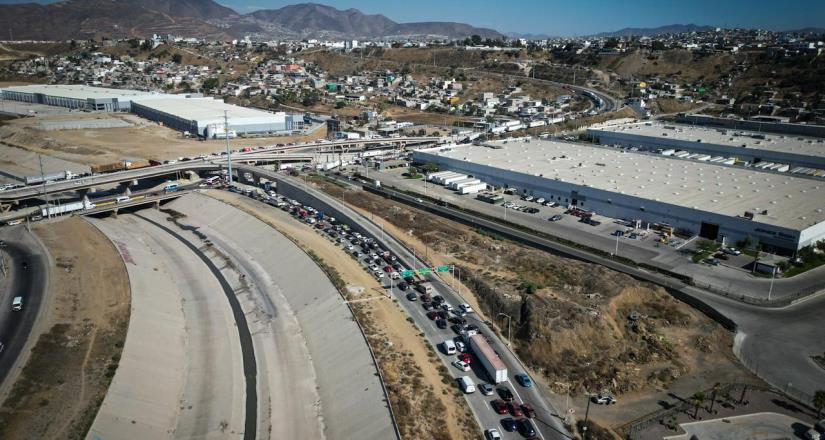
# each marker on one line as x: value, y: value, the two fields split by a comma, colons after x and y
x: 499, y: 406
x: 387, y: 269
x: 515, y: 409
x: 528, y: 410
x: 432, y: 315
x: 465, y: 357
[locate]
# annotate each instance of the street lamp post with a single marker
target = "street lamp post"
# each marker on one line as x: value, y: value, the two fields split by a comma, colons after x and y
x: 509, y: 319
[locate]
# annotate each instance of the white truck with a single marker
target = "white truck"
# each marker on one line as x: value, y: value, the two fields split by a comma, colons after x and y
x: 489, y: 359
x: 66, y: 208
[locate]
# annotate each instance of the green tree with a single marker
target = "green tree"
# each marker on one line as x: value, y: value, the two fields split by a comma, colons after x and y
x: 819, y: 402
x: 658, y: 45
x: 697, y: 399
x: 611, y: 43
x: 210, y: 83
x: 476, y: 40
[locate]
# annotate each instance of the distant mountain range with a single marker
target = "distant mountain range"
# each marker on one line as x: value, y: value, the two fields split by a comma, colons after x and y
x: 82, y: 19
x: 652, y: 32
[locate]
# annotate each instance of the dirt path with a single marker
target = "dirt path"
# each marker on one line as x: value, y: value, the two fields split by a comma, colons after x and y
x: 68, y: 372
x: 387, y: 328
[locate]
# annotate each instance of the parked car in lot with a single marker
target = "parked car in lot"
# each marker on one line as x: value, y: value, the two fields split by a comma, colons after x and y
x: 731, y: 251
x: 603, y: 399
x: 524, y: 380
x: 712, y: 261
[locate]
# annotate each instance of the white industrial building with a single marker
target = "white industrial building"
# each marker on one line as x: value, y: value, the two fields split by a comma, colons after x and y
x: 782, y: 212
x: 76, y: 96
x: 205, y: 117
x: 745, y: 146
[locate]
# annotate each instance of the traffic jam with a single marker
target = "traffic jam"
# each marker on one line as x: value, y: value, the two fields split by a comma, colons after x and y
x: 476, y: 366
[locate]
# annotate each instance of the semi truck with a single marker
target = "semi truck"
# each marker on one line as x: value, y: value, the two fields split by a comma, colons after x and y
x: 488, y: 358
x: 60, y: 175
x: 66, y: 208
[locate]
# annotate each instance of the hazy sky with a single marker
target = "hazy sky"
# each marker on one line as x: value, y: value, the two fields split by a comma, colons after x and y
x: 577, y: 17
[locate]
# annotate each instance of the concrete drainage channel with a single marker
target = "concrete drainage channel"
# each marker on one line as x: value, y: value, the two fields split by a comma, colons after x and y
x: 247, y: 350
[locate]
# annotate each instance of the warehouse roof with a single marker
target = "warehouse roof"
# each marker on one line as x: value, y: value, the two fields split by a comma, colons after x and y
x: 77, y: 91
x: 807, y: 146
x: 791, y: 202
x: 206, y: 109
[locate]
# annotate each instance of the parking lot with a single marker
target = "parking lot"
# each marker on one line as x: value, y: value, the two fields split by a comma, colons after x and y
x: 445, y: 321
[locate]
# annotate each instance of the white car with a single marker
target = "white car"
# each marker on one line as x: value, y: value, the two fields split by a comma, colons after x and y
x: 492, y: 434
x: 603, y: 399
x: 460, y: 346
x: 465, y: 308
x: 461, y: 365
x: 732, y: 251
x: 447, y: 307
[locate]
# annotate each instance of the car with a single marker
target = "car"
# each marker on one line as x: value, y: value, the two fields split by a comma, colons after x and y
x: 499, y: 406
x: 447, y: 307
x: 731, y: 251
x: 460, y: 346
x: 492, y: 434
x: 432, y: 315
x: 525, y: 428
x: 457, y: 328
x: 465, y: 357
x: 409, y: 280
x: 528, y: 410
x: 412, y: 296
x: 17, y: 304
x: 603, y: 399
x: 402, y: 286
x: 441, y: 323
x: 524, y: 380
x: 509, y: 424
x: 515, y: 409
x: 465, y: 308
x: 485, y: 388
x: 426, y: 298
x: 427, y: 306
x: 712, y: 261
x: 505, y: 393
x: 438, y: 299
x: 457, y: 320
x: 540, y: 200
x: 461, y: 365
x: 555, y: 218
x: 387, y: 269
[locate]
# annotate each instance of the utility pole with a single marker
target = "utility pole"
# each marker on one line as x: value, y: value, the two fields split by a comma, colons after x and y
x: 509, y: 319
x: 228, y: 152
x: 586, y: 413
x: 43, y: 178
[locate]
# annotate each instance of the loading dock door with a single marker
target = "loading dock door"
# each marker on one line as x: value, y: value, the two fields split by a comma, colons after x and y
x: 709, y: 231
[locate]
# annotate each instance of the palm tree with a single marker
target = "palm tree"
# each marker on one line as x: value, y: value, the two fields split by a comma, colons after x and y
x: 697, y: 399
x: 819, y: 402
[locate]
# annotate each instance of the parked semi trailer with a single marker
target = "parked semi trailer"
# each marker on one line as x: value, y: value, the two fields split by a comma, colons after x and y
x: 488, y: 358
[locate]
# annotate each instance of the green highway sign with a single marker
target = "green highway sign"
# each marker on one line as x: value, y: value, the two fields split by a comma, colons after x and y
x: 424, y: 270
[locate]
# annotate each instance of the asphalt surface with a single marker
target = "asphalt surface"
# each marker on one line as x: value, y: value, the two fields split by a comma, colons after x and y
x: 547, y: 421
x: 30, y: 283
x: 247, y: 349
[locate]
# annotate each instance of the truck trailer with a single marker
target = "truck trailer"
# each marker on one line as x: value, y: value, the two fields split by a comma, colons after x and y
x: 472, y: 189
x: 488, y: 358
x: 65, y: 208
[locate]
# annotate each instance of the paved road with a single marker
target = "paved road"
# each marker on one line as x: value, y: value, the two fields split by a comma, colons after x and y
x: 30, y: 283
x: 546, y: 421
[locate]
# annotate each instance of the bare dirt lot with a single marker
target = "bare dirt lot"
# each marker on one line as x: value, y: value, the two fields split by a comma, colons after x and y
x: 579, y: 325
x: 143, y: 140
x: 425, y: 405
x: 68, y: 371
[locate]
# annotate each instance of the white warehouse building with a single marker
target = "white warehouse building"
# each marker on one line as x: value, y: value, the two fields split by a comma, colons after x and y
x: 79, y: 97
x: 205, y: 117
x: 782, y: 212
x: 747, y: 146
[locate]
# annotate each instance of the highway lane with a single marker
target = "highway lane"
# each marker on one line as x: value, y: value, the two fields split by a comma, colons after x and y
x: 30, y: 283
